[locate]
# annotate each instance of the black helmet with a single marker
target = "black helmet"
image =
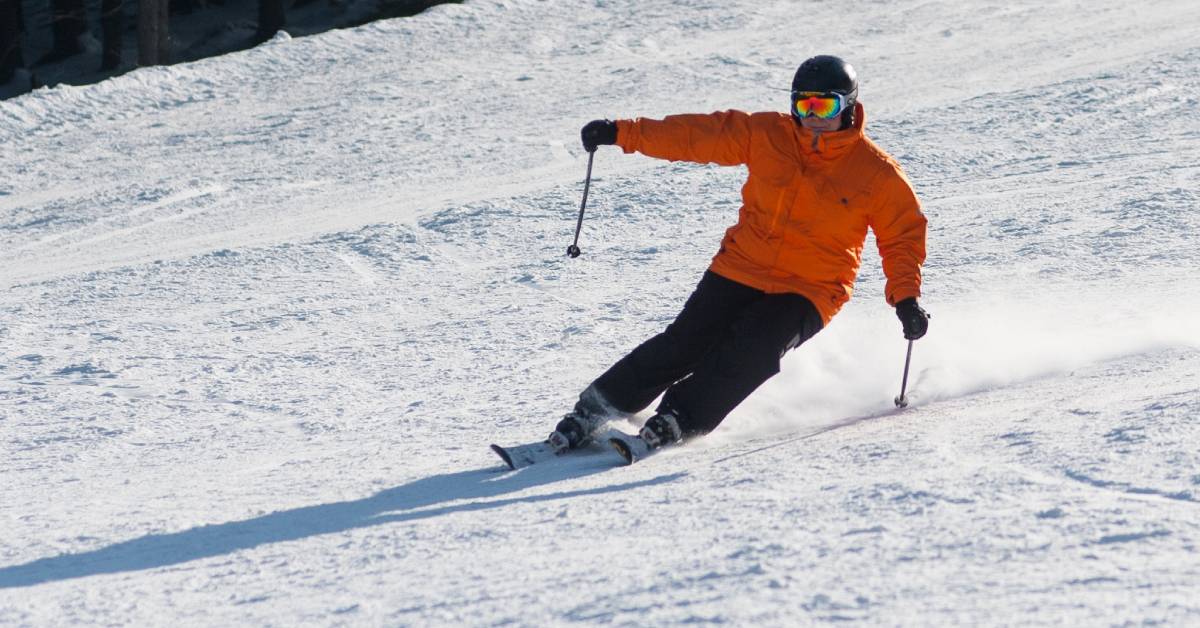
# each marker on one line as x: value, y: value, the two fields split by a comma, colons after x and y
x: 827, y: 73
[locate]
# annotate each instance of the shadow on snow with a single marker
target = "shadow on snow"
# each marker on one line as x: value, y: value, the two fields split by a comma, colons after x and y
x: 782, y: 440
x: 421, y: 499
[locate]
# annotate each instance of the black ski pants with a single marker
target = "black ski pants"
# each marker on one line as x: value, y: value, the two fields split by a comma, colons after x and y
x: 727, y: 341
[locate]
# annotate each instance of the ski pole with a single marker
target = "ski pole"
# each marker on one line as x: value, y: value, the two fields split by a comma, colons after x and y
x: 573, y: 250
x: 901, y: 401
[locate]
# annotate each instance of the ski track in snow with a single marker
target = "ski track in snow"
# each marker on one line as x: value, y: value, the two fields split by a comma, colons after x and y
x: 264, y: 312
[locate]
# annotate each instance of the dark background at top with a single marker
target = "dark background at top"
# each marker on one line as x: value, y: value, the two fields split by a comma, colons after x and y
x: 197, y: 29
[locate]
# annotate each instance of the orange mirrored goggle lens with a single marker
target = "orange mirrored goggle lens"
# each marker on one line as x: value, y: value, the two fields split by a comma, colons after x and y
x: 818, y: 104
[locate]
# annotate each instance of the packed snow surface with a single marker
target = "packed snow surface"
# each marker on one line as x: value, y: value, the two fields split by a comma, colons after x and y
x: 262, y: 314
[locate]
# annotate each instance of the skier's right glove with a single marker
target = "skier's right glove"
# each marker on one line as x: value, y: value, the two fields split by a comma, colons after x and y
x: 914, y: 319
x: 598, y: 132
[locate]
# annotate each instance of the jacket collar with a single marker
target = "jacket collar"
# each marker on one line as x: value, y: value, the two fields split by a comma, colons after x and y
x: 830, y: 145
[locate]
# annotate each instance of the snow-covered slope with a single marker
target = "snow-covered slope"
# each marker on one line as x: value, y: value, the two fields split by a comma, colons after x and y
x: 263, y: 313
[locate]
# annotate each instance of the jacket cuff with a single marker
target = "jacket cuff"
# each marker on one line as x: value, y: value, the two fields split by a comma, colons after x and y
x: 627, y: 135
x: 902, y: 294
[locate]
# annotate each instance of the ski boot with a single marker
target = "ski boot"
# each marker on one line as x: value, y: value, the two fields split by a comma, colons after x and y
x: 576, y: 429
x: 660, y: 431
x: 572, y: 432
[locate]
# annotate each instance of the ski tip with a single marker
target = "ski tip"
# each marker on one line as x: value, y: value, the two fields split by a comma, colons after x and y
x: 504, y: 456
x: 623, y: 449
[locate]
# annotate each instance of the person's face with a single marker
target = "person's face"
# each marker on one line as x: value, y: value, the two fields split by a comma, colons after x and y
x: 819, y: 125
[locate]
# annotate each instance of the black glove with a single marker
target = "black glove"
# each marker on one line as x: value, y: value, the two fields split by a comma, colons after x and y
x: 913, y: 318
x: 598, y: 132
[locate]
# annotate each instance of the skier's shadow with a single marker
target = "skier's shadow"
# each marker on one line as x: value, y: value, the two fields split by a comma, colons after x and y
x: 465, y: 491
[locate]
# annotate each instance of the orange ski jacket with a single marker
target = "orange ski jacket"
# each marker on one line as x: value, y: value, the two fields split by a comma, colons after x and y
x: 806, y: 205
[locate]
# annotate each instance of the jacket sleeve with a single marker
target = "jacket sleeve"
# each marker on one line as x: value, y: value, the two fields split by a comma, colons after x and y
x: 720, y: 138
x: 899, y: 228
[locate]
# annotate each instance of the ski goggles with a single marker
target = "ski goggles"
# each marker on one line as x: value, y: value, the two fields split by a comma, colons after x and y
x: 824, y: 105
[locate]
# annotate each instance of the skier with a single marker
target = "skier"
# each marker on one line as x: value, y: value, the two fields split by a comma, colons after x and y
x: 816, y: 183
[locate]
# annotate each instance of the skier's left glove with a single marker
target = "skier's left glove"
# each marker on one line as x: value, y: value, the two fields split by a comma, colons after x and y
x: 598, y: 132
x: 914, y: 319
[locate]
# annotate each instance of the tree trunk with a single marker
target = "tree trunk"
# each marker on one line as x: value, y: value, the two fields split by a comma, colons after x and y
x: 153, y: 19
x: 271, y: 19
x: 112, y: 22
x: 68, y: 23
x: 10, y: 39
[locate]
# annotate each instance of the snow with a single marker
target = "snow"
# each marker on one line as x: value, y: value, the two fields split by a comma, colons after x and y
x: 263, y: 313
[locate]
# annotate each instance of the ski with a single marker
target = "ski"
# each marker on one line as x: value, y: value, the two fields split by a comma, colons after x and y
x: 521, y: 456
x: 629, y: 446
